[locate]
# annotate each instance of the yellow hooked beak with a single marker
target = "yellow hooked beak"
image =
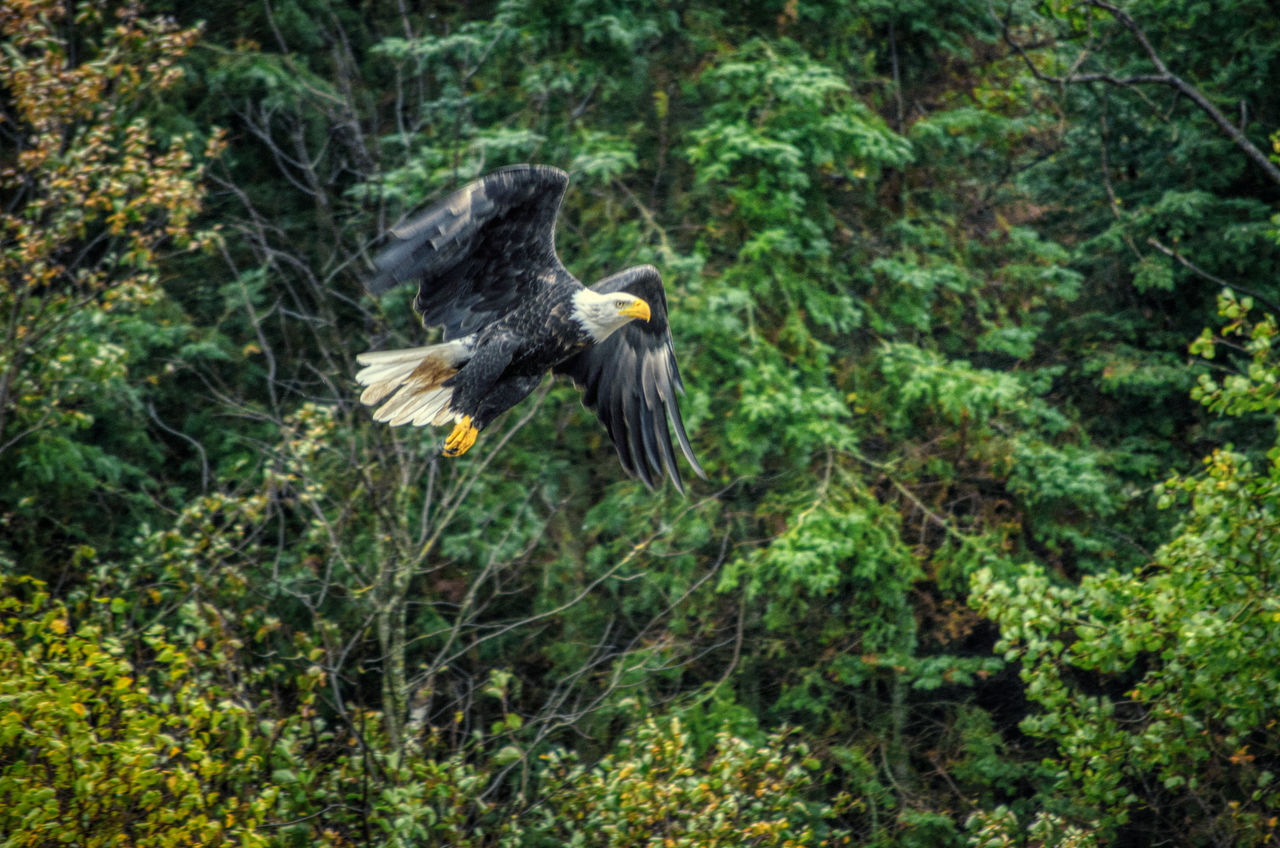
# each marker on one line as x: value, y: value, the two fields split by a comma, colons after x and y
x: 639, y: 309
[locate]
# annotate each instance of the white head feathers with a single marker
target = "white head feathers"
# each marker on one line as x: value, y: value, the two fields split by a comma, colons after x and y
x: 602, y: 314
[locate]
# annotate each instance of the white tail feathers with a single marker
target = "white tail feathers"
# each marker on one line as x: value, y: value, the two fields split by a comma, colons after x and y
x: 411, y: 382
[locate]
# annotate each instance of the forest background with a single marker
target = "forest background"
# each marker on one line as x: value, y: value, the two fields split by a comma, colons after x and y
x: 975, y: 303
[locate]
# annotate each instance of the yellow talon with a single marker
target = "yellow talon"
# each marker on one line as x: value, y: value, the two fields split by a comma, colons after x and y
x: 462, y: 437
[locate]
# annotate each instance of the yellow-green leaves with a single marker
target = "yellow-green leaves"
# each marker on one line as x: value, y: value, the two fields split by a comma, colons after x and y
x: 1254, y: 387
x: 102, y: 746
x: 657, y: 791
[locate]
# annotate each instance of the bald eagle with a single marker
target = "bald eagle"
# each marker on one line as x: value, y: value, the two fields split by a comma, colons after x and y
x: 487, y: 271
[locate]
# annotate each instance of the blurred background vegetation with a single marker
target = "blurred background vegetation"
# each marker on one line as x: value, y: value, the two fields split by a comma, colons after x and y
x: 975, y: 302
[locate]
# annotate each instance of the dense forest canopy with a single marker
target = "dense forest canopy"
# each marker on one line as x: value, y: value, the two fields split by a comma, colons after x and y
x: 975, y: 303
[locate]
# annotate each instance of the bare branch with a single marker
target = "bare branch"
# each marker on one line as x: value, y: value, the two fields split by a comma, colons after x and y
x: 1162, y: 76
x: 1200, y: 272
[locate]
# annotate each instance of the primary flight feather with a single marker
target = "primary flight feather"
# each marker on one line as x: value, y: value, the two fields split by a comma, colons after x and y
x: 487, y: 271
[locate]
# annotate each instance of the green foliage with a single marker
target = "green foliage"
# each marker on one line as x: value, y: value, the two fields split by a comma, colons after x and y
x: 95, y: 197
x: 1158, y: 687
x: 837, y: 544
x: 932, y: 311
x: 96, y: 749
x: 654, y: 790
x: 1255, y: 390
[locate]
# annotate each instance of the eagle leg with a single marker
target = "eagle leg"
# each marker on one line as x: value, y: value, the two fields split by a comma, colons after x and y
x: 462, y: 438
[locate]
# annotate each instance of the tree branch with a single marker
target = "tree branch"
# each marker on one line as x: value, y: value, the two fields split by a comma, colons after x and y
x: 1163, y: 76
x: 1197, y: 270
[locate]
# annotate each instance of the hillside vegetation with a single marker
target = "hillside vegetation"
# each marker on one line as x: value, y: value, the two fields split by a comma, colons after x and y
x: 975, y: 303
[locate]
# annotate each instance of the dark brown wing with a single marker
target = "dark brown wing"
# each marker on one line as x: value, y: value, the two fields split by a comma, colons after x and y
x: 479, y: 252
x: 631, y: 381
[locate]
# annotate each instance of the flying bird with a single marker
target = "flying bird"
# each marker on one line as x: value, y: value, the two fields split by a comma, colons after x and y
x: 487, y: 271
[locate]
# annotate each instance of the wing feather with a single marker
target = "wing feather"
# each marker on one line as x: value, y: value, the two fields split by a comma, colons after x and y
x: 631, y: 380
x: 478, y: 252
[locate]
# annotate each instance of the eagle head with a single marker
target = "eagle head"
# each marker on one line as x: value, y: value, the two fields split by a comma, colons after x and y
x: 601, y: 314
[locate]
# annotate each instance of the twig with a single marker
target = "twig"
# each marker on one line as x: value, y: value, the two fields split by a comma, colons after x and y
x: 1269, y: 304
x: 204, y: 458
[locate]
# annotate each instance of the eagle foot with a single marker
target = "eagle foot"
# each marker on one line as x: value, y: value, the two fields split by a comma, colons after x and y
x: 462, y: 437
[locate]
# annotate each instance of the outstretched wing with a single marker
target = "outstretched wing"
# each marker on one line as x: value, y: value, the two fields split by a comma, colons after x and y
x: 631, y: 381
x: 479, y: 252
